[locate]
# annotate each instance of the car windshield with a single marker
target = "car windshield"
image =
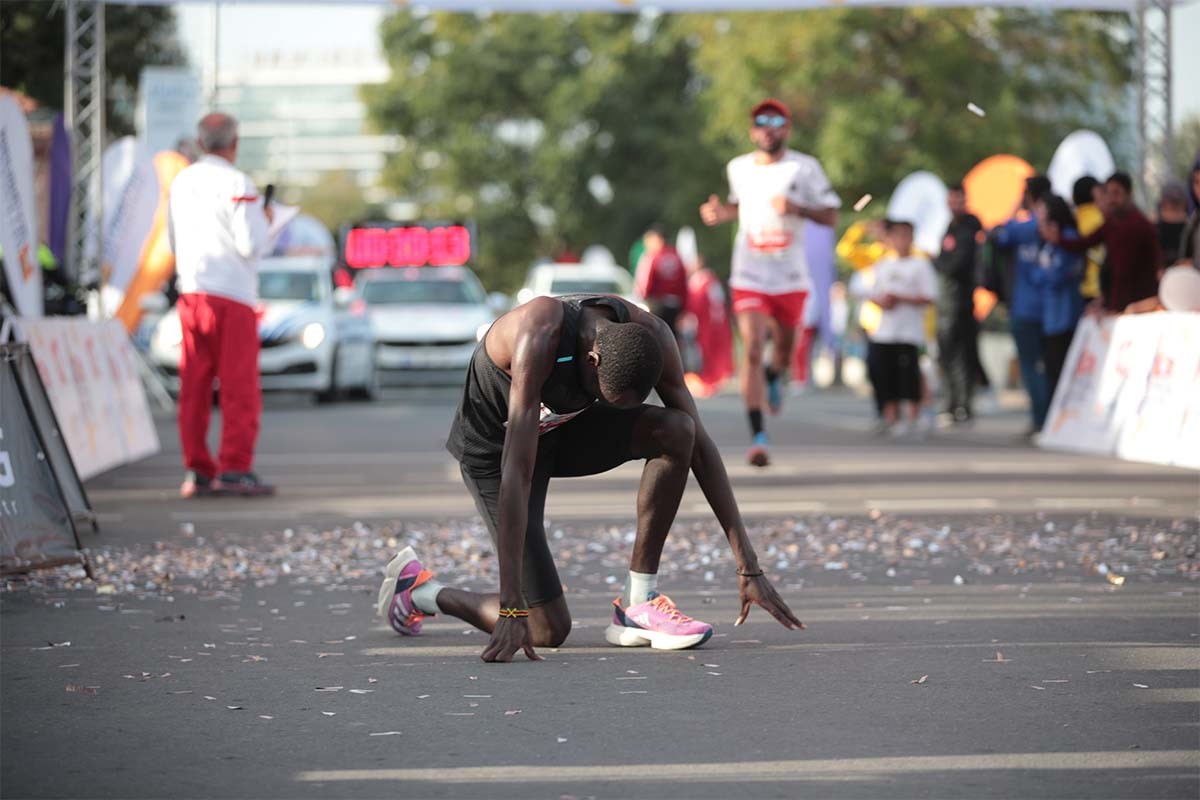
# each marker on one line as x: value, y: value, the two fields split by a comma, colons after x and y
x: 301, y: 286
x: 586, y: 286
x: 418, y: 292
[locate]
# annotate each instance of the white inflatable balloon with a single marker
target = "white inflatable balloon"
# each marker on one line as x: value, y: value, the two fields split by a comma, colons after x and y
x: 1081, y: 153
x: 1179, y: 289
x: 921, y: 199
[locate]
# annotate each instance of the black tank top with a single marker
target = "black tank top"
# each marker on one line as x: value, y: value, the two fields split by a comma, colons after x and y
x: 477, y: 434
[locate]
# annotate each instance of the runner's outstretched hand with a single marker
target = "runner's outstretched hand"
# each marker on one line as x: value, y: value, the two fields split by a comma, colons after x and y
x: 757, y: 590
x: 509, y: 636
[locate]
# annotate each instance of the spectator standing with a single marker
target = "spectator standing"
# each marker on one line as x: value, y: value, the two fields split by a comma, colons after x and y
x: 1172, y: 217
x: 661, y: 279
x: 218, y: 228
x: 957, y: 329
x: 1059, y: 276
x: 905, y: 285
x: 1132, y: 244
x: 1020, y: 236
x: 1088, y: 217
x: 773, y: 192
x: 708, y: 310
x: 1189, y: 239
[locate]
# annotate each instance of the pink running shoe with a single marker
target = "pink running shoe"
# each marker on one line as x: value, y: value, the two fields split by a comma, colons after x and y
x: 403, y: 574
x: 658, y: 623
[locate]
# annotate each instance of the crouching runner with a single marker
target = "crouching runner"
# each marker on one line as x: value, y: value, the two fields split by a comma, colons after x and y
x: 557, y: 389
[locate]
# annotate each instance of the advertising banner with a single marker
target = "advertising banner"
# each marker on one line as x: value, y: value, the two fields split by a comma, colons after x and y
x: 1131, y: 388
x: 130, y: 201
x: 35, y: 526
x: 18, y: 220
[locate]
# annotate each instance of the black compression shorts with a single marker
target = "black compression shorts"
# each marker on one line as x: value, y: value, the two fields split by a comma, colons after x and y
x: 596, y: 441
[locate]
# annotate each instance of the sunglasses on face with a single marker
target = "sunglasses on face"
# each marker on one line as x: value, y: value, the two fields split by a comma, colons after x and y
x: 770, y: 121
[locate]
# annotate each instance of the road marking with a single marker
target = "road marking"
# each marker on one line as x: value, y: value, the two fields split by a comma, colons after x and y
x: 931, y: 503
x: 1096, y: 502
x: 783, y: 770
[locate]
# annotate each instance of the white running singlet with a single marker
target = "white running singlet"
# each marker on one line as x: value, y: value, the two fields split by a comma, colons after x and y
x: 768, y: 253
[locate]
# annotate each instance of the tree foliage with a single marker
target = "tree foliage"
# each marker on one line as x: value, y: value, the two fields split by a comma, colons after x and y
x: 33, y: 43
x: 528, y: 124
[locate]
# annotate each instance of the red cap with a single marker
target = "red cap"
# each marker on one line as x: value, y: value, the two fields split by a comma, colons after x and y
x: 771, y: 104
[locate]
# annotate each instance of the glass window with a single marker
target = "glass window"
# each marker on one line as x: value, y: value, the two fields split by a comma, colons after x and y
x: 303, y: 286
x: 586, y: 286
x: 421, y: 291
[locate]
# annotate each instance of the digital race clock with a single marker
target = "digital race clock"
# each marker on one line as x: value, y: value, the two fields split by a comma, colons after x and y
x: 386, y: 244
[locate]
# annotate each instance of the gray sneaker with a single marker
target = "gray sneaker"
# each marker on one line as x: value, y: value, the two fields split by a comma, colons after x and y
x: 245, y: 484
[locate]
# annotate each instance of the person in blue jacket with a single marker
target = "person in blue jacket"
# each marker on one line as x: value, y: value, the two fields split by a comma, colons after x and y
x: 1020, y: 236
x: 1059, y: 278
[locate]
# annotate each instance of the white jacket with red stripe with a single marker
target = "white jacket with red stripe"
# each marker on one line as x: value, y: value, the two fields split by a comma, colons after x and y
x: 218, y: 230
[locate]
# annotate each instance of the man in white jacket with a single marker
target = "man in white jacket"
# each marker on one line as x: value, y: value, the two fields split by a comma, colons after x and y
x: 218, y: 228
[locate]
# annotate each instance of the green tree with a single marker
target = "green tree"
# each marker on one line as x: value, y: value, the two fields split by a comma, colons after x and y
x: 32, y: 46
x: 879, y: 93
x: 551, y: 132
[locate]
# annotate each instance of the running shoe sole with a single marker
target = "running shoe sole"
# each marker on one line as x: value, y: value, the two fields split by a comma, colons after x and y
x: 639, y: 637
x: 388, y: 588
x: 758, y: 457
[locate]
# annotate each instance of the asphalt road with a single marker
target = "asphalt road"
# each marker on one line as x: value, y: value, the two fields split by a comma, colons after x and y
x: 984, y: 620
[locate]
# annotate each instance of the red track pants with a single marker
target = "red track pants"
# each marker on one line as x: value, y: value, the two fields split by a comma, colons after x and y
x: 220, y: 340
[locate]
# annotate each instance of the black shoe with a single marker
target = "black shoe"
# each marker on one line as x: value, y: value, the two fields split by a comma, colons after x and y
x: 195, y: 485
x: 245, y: 484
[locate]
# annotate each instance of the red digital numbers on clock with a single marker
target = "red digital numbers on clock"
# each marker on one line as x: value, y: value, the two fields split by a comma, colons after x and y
x: 408, y: 246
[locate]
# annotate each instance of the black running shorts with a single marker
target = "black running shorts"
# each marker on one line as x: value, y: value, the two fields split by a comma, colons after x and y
x: 596, y: 441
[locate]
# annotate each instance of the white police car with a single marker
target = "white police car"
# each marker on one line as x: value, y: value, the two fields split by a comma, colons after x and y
x: 312, y: 337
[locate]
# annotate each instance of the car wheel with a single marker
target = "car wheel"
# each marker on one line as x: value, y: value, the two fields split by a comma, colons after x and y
x: 370, y: 389
x: 330, y: 393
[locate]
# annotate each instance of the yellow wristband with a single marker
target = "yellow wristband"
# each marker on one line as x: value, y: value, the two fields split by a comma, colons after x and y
x: 514, y: 613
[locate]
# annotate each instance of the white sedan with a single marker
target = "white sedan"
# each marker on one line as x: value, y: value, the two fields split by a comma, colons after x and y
x: 426, y: 321
x: 312, y: 338
x: 555, y: 280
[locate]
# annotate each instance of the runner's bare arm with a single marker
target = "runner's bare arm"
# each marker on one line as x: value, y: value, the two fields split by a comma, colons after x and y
x: 714, y: 212
x: 822, y: 216
x: 709, y: 469
x: 532, y: 361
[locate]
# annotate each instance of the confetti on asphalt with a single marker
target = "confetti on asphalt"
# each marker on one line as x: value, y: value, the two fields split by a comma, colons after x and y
x: 67, y: 666
x: 561, y: 739
x: 189, y: 691
x: 635, y: 691
x: 361, y: 691
x: 859, y: 548
x: 1097, y: 671
x: 1039, y: 688
x: 329, y: 713
x: 265, y: 716
x: 920, y: 680
x: 862, y: 202
x: 76, y: 688
x: 460, y: 713
x: 1059, y: 680
x: 329, y: 688
x: 372, y: 680
x: 477, y: 696
x: 999, y: 659
x: 512, y: 712
x: 714, y: 673
x: 714, y: 666
x: 976, y: 110
x: 234, y: 708
x: 1141, y: 686
x: 208, y: 697
x: 327, y: 655
x: 387, y: 733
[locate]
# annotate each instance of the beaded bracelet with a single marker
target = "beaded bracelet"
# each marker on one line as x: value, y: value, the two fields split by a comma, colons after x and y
x: 749, y: 574
x: 514, y: 613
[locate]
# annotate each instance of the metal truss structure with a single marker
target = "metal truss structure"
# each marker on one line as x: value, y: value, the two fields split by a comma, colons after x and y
x: 1152, y: 77
x: 85, y: 88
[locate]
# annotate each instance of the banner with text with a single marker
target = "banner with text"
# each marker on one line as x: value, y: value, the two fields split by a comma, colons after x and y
x: 90, y: 373
x: 1131, y: 388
